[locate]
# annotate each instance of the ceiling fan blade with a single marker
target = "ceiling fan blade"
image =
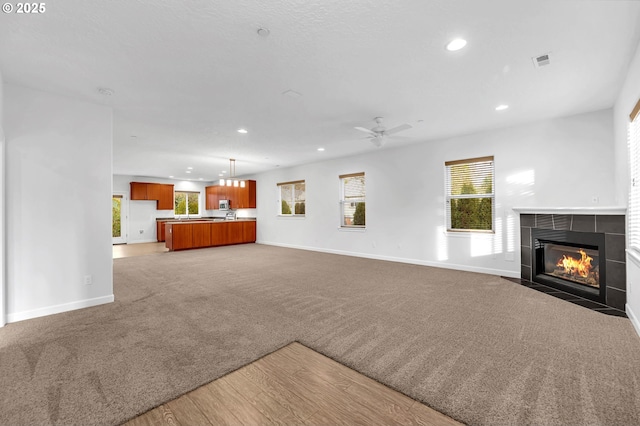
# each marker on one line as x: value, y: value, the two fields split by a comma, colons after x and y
x: 398, y: 129
x: 362, y: 129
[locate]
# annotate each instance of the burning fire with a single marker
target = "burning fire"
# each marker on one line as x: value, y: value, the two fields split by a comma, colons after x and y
x: 573, y: 266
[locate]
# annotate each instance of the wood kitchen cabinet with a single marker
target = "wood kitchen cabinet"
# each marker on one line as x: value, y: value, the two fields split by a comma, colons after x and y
x: 246, y: 197
x: 161, y: 192
x: 241, y: 198
x: 249, y: 231
x: 138, y: 191
x: 182, y: 236
x: 165, y: 202
x: 201, y: 235
x: 211, y: 197
x: 180, y: 240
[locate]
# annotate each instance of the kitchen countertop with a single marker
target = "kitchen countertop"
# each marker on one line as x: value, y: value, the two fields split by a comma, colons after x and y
x: 203, y: 219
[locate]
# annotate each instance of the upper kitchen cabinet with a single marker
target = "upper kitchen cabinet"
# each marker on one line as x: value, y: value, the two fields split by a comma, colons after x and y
x: 245, y: 198
x: 139, y: 191
x: 241, y: 198
x: 162, y: 193
x: 165, y: 202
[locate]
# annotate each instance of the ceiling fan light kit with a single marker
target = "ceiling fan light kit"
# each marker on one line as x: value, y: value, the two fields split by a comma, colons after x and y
x: 379, y: 133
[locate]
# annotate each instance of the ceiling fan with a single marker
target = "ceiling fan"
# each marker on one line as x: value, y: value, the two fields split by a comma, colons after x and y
x: 379, y: 133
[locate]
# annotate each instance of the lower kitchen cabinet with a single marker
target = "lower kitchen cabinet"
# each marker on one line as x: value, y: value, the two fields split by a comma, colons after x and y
x: 182, y: 236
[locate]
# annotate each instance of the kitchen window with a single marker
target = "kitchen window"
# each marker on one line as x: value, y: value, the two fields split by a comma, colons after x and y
x: 469, y: 195
x: 292, y: 198
x: 352, y: 201
x: 186, y: 203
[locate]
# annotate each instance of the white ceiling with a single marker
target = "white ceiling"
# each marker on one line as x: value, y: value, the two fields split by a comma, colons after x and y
x: 188, y: 74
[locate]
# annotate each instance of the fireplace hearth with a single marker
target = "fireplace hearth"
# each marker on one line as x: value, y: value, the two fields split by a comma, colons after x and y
x: 570, y: 261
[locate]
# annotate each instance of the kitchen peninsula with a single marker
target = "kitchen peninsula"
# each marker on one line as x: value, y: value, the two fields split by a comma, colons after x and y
x: 183, y: 235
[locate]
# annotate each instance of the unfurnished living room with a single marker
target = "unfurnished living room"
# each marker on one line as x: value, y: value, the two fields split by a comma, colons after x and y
x: 320, y: 212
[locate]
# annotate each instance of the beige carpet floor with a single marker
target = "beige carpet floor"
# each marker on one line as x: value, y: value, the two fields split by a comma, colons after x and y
x: 479, y: 348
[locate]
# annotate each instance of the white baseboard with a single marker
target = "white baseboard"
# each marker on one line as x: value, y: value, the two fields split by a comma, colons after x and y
x: 155, y: 240
x: 633, y: 318
x: 478, y: 269
x: 56, y: 309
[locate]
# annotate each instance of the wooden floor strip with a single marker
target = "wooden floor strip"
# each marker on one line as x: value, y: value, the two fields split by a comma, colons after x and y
x: 293, y: 386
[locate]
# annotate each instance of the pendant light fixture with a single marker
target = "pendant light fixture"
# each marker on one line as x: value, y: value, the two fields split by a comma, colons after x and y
x: 233, y: 180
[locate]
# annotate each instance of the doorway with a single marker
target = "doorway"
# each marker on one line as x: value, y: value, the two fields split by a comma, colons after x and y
x: 119, y: 218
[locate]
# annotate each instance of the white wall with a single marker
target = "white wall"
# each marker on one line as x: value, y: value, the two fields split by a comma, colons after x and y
x: 628, y: 97
x: 2, y: 214
x: 555, y: 163
x: 58, y: 190
x: 142, y: 214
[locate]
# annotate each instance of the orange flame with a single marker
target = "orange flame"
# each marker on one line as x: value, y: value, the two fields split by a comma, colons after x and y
x: 573, y: 266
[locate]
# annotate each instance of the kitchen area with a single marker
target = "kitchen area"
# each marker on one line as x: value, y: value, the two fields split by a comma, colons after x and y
x: 209, y: 216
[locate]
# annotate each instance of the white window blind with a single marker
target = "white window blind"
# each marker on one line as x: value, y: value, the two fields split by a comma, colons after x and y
x: 352, y: 200
x: 469, y: 194
x: 633, y: 142
x: 292, y: 198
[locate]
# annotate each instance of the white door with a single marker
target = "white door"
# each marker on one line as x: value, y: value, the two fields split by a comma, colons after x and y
x: 119, y: 218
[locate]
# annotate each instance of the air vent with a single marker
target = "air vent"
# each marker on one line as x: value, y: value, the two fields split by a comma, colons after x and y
x: 542, y: 60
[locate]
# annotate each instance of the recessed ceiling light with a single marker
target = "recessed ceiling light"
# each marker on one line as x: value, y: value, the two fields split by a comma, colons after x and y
x: 189, y: 168
x: 292, y: 94
x: 105, y: 91
x: 188, y: 171
x: 456, y: 44
x: 171, y: 177
x: 220, y: 174
x: 200, y: 179
x: 264, y: 32
x: 502, y: 107
x: 242, y: 131
x: 224, y: 171
x: 320, y: 149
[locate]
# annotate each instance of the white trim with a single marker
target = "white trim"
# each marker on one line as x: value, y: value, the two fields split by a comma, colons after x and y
x: 571, y: 210
x: 124, y: 223
x: 155, y: 240
x: 478, y: 269
x: 633, y: 256
x: 56, y: 309
x: 633, y: 318
x: 3, y: 245
x: 352, y: 228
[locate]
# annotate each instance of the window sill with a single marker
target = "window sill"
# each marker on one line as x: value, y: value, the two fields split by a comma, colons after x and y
x: 352, y: 228
x: 470, y: 234
x: 291, y: 216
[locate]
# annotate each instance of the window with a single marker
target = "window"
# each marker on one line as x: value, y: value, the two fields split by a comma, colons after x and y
x: 352, y: 200
x: 633, y: 141
x: 470, y: 199
x: 292, y: 198
x: 186, y: 203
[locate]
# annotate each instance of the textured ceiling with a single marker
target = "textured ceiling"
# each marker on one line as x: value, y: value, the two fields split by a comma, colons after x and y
x: 187, y: 75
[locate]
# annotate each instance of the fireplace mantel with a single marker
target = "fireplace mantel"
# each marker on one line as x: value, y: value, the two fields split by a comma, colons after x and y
x: 600, y: 210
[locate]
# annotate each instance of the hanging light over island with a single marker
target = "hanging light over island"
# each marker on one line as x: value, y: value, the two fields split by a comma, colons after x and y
x: 232, y: 180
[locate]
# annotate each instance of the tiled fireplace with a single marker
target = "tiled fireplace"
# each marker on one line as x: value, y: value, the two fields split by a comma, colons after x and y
x: 577, y: 252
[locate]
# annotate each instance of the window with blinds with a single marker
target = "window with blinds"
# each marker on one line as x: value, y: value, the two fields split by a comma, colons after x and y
x: 352, y: 200
x: 633, y: 212
x: 292, y: 198
x: 469, y: 194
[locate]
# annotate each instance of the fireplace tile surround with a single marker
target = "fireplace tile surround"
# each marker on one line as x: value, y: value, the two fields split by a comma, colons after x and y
x: 607, y: 222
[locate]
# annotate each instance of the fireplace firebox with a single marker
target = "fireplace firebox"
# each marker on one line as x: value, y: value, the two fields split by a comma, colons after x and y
x: 570, y: 261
